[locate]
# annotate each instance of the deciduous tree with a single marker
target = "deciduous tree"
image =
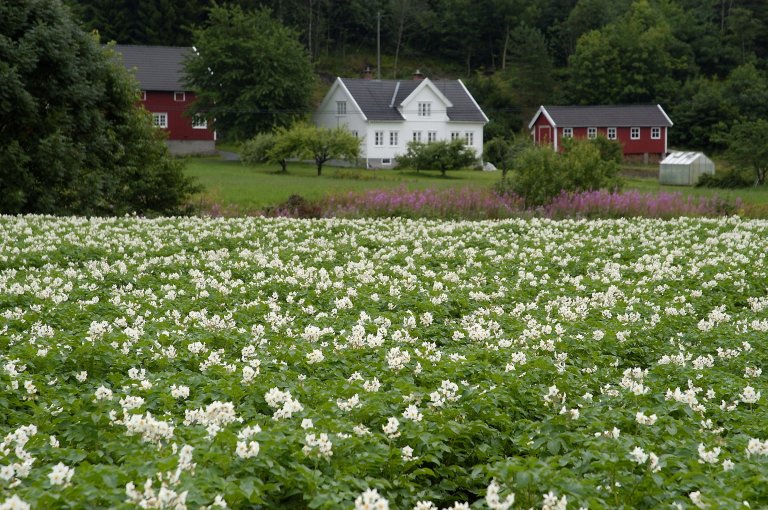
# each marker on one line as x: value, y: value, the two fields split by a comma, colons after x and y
x: 250, y: 72
x: 72, y: 140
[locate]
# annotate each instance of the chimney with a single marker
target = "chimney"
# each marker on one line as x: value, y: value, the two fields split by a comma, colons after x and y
x: 367, y: 73
x: 417, y: 75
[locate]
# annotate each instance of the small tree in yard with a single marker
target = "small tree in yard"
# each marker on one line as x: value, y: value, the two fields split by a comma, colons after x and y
x: 269, y: 148
x: 440, y: 155
x: 319, y: 144
x: 748, y: 147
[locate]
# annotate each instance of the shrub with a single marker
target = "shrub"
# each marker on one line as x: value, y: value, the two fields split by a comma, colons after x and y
x: 541, y: 174
x: 730, y: 179
x: 441, y: 155
x: 256, y: 150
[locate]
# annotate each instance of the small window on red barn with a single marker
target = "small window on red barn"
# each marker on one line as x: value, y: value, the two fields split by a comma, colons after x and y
x: 591, y: 133
x: 655, y: 133
x: 143, y: 95
x: 634, y: 133
x: 179, y: 96
x: 611, y: 133
x: 567, y: 132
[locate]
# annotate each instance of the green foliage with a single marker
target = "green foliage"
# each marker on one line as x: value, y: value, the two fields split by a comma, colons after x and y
x: 256, y: 150
x: 250, y: 72
x: 635, y: 60
x: 307, y: 141
x: 748, y: 147
x: 161, y: 352
x: 71, y: 139
x: 541, y: 174
x: 733, y: 178
x: 441, y: 155
x: 502, y: 153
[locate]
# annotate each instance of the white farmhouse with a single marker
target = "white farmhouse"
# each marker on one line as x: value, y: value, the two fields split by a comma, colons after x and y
x: 387, y: 114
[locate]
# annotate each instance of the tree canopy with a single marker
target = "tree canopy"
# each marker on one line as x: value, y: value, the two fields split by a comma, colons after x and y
x: 250, y: 72
x: 72, y: 140
x: 514, y: 54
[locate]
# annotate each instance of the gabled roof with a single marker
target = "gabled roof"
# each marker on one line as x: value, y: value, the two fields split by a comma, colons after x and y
x: 604, y: 116
x: 379, y: 99
x: 157, y: 67
x: 684, y: 158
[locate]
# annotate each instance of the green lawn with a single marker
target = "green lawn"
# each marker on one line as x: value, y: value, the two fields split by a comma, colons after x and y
x: 247, y: 188
x: 252, y: 187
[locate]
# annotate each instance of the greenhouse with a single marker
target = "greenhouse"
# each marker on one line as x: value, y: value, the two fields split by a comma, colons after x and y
x: 684, y: 168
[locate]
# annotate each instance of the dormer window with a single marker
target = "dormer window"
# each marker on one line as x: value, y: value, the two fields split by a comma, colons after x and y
x: 425, y: 109
x: 341, y: 107
x: 179, y: 97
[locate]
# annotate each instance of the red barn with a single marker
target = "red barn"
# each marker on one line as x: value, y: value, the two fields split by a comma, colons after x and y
x: 159, y: 70
x: 641, y: 129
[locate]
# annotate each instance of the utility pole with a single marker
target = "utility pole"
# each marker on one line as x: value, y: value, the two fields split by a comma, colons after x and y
x: 378, y: 45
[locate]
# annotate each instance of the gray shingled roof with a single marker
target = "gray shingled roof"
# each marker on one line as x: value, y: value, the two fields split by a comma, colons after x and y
x: 375, y: 98
x: 608, y: 116
x: 157, y: 67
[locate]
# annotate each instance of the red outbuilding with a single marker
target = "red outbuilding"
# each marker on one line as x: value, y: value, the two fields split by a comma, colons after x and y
x: 159, y: 71
x: 641, y: 129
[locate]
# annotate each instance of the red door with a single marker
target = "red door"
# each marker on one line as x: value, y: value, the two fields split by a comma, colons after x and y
x: 545, y: 135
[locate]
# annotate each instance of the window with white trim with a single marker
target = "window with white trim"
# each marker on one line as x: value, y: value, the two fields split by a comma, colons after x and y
x: 341, y: 107
x: 179, y: 97
x: 591, y: 133
x: 611, y: 133
x: 143, y: 95
x: 655, y: 133
x: 355, y: 133
x: 160, y: 120
x: 199, y: 122
x: 469, y: 138
x: 425, y: 109
x: 416, y: 136
x: 386, y: 161
x: 455, y: 135
x: 393, y: 138
x: 378, y: 138
x: 567, y: 132
x: 634, y: 133
x: 431, y: 136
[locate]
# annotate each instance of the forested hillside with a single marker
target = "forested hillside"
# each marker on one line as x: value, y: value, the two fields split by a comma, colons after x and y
x: 703, y: 60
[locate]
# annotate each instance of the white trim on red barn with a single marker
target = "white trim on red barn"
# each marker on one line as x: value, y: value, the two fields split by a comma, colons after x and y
x: 546, y: 115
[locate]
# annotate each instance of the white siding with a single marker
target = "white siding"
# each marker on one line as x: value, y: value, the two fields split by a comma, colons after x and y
x: 326, y: 116
x: 438, y: 113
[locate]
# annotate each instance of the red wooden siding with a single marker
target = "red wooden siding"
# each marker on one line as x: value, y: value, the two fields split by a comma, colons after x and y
x: 644, y: 145
x: 179, y: 126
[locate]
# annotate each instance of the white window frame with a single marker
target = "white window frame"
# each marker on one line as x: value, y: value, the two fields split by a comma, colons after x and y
x: 199, y: 122
x: 431, y: 136
x: 341, y: 107
x: 355, y: 133
x: 378, y: 138
x: 416, y: 137
x: 176, y: 96
x: 393, y: 138
x: 160, y: 120
x: 143, y: 95
x: 386, y: 161
x: 655, y: 133
x: 469, y: 138
x: 455, y: 135
x: 567, y: 132
x: 634, y: 133
x: 611, y: 133
x: 591, y: 133
x: 425, y: 109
